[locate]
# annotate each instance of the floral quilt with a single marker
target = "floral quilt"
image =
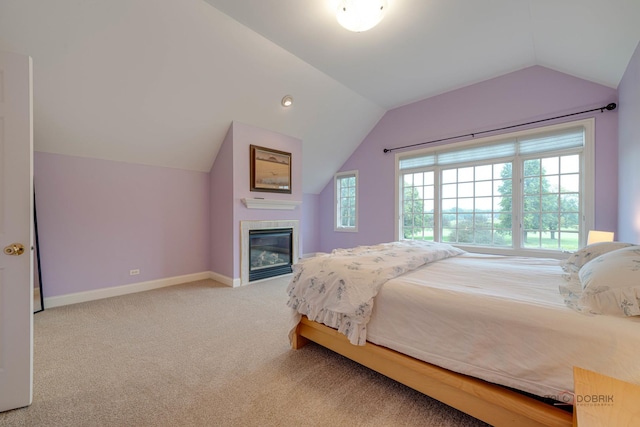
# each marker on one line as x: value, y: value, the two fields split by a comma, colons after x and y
x: 337, y: 289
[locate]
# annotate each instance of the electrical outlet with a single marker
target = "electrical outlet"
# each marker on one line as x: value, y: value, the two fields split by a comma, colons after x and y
x: 134, y: 272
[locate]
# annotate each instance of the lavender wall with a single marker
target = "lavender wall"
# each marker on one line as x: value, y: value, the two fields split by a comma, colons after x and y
x: 221, y: 184
x: 526, y: 95
x: 311, y: 223
x: 235, y: 152
x: 629, y: 148
x: 99, y: 219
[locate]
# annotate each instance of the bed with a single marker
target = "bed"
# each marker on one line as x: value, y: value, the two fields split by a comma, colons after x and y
x: 492, y: 336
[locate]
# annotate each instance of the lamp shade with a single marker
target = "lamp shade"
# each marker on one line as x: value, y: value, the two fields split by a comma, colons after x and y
x: 360, y: 15
x: 599, y: 236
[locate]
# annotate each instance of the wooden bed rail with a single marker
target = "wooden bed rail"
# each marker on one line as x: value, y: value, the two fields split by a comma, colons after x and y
x: 488, y: 402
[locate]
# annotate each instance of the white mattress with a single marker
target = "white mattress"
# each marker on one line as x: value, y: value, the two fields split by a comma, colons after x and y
x: 503, y: 320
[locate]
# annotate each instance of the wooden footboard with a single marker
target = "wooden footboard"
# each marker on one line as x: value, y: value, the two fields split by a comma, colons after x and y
x: 488, y: 402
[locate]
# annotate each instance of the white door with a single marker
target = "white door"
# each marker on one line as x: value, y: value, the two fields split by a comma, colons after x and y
x: 16, y: 215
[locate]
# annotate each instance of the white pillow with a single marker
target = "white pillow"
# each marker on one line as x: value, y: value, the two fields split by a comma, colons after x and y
x: 611, y: 283
x: 579, y: 258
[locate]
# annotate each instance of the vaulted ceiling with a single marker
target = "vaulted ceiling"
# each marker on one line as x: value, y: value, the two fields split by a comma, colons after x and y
x: 158, y: 82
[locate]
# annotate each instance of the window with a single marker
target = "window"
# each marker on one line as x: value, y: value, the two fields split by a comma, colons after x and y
x: 346, y: 199
x: 418, y: 201
x: 551, y: 213
x: 476, y: 202
x: 525, y: 192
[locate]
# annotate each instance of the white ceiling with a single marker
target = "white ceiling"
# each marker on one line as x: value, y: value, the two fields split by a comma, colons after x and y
x: 426, y: 47
x: 159, y: 82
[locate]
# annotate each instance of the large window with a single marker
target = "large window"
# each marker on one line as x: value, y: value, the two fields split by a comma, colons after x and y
x: 346, y: 199
x: 525, y: 192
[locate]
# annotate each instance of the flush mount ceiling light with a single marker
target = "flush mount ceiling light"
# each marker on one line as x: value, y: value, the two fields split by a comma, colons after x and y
x: 287, y: 101
x: 360, y: 15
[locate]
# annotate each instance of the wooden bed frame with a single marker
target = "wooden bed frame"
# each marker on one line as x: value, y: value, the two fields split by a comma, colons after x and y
x: 488, y: 402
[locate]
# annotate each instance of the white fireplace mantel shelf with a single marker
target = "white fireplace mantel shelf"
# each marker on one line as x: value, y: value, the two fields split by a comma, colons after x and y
x: 271, y: 204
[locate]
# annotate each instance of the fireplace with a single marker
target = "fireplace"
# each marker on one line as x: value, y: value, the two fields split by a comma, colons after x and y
x: 270, y: 249
x: 270, y: 252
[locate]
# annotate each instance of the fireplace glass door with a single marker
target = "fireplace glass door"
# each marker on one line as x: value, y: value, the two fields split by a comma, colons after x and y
x: 270, y: 253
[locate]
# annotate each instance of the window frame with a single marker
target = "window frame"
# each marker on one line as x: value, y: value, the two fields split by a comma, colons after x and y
x: 337, y: 200
x: 587, y: 185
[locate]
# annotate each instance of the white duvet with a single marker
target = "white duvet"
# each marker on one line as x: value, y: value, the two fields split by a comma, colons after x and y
x: 337, y: 289
x: 503, y: 320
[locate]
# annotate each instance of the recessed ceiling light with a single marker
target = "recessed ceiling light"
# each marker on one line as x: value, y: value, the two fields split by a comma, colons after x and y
x: 287, y: 101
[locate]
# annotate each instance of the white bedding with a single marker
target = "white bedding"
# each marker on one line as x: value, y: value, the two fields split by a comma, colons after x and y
x: 337, y: 289
x: 503, y: 320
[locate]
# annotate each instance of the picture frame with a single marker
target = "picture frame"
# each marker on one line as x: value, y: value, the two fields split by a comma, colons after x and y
x: 270, y: 170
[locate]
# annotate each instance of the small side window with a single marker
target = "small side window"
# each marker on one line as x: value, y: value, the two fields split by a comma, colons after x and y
x: 346, y: 199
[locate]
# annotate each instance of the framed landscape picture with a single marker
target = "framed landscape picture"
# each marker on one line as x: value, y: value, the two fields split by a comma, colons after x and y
x: 270, y: 170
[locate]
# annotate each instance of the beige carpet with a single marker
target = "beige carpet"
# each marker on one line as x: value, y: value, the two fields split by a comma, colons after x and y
x: 202, y: 354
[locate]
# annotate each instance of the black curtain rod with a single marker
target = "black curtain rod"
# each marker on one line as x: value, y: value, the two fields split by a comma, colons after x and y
x: 608, y: 107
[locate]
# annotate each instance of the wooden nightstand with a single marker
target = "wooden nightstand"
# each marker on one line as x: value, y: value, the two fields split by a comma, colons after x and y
x: 602, y: 401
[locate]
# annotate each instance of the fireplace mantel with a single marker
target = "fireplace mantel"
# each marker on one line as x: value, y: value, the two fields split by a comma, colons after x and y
x: 271, y: 204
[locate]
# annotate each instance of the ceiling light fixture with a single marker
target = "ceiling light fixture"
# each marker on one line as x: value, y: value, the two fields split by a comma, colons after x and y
x: 287, y: 101
x: 360, y: 15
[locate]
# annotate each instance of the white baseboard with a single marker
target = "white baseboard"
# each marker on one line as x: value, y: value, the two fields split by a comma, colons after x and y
x: 60, y: 300
x: 225, y: 280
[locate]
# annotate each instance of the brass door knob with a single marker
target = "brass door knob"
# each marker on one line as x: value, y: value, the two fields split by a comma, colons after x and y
x: 14, y: 249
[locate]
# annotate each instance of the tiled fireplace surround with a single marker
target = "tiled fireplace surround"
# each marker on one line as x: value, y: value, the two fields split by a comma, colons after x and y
x: 246, y: 226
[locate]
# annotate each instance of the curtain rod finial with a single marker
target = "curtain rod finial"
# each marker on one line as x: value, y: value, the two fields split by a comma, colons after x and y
x: 611, y: 106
